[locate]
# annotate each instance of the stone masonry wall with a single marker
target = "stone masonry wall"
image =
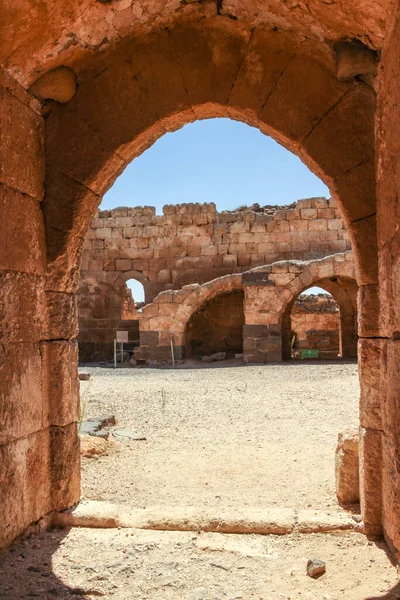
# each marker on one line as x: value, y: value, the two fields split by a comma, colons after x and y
x: 190, y: 243
x: 269, y: 294
x: 315, y: 322
x: 39, y: 404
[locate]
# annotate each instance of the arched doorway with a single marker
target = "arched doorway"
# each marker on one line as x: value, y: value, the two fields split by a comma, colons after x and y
x: 217, y: 326
x: 337, y: 309
x: 139, y: 88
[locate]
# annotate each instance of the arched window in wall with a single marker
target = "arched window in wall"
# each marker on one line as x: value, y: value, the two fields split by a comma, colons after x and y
x: 133, y: 299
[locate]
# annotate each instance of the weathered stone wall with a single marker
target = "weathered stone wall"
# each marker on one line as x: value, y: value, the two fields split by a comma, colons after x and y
x: 217, y: 326
x: 190, y: 243
x: 38, y: 370
x: 315, y: 322
x: 380, y: 325
x: 273, y: 68
x: 269, y: 294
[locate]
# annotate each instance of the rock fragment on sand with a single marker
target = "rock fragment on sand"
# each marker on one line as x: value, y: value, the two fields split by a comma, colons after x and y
x: 315, y: 568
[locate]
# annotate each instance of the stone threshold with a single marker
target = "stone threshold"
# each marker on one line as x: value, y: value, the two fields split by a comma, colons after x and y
x: 268, y: 521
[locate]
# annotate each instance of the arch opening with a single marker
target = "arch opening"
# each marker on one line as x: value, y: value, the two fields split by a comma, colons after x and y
x: 321, y: 321
x: 133, y: 299
x: 217, y: 326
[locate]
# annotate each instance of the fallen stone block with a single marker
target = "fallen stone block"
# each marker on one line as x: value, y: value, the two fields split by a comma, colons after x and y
x: 84, y: 376
x: 347, y: 468
x: 125, y: 434
x: 218, y: 356
x: 315, y: 568
x: 92, y: 446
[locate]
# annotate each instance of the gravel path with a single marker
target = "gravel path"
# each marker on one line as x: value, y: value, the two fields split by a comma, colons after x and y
x: 222, y: 437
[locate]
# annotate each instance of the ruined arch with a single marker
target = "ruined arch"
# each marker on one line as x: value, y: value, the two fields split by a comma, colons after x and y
x: 344, y: 291
x: 216, y: 326
x: 336, y: 274
x: 124, y: 276
x: 142, y: 88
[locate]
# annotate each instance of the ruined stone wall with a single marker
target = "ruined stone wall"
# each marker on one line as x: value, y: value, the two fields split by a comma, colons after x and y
x: 380, y: 326
x: 217, y: 327
x: 190, y: 243
x: 315, y: 322
x: 269, y: 295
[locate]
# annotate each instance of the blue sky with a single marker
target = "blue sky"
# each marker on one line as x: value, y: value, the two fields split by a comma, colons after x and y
x: 216, y: 160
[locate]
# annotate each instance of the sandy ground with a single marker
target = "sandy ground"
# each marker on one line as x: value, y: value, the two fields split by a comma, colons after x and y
x: 217, y: 438
x: 153, y: 565
x: 222, y: 437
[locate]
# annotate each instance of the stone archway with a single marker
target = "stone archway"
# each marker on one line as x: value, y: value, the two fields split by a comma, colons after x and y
x: 150, y: 85
x: 141, y: 88
x: 128, y: 95
x: 217, y: 326
x: 344, y: 291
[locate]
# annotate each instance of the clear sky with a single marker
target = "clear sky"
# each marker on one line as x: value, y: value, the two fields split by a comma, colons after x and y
x: 216, y: 160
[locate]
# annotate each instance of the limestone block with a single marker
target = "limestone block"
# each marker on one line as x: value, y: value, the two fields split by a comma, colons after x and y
x: 326, y: 213
x: 317, y: 225
x: 352, y: 119
x: 297, y: 225
x: 60, y: 382
x: 21, y: 406
x: 22, y: 307
x: 313, y: 100
x: 371, y: 479
x: 25, y: 493
x: 125, y: 223
x: 59, y: 84
x: 123, y: 264
x: 209, y: 250
x: 22, y: 160
x: 103, y: 233
x: 62, y: 316
x: 372, y: 363
x: 347, y: 468
x: 309, y: 213
x: 65, y: 466
x: 67, y: 139
x: 95, y: 265
x: 22, y: 235
x: 335, y: 223
x: 364, y: 242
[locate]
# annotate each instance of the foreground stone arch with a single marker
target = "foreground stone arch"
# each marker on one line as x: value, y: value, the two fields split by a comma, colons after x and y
x: 328, y: 123
x: 150, y: 85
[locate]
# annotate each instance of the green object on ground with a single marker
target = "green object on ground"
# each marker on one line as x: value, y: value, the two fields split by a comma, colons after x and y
x: 309, y: 354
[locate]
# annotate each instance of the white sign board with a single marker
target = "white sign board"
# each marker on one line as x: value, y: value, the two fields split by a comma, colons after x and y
x: 122, y: 336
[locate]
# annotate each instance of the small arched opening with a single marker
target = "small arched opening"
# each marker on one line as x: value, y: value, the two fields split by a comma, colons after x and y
x: 321, y: 321
x: 133, y: 299
x: 217, y: 326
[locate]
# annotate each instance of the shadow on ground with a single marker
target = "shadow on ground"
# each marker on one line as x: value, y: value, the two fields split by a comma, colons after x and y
x: 26, y: 570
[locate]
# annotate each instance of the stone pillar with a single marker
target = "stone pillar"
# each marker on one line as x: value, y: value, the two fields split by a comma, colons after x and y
x: 39, y: 458
x: 262, y: 333
x: 380, y: 318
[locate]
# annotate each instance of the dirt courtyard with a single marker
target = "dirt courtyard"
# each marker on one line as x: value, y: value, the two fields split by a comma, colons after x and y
x: 222, y: 437
x: 217, y: 439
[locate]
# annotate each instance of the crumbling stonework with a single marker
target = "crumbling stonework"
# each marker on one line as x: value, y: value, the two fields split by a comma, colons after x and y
x: 315, y: 324
x: 269, y: 293
x: 142, y: 71
x: 347, y: 467
x: 190, y: 243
